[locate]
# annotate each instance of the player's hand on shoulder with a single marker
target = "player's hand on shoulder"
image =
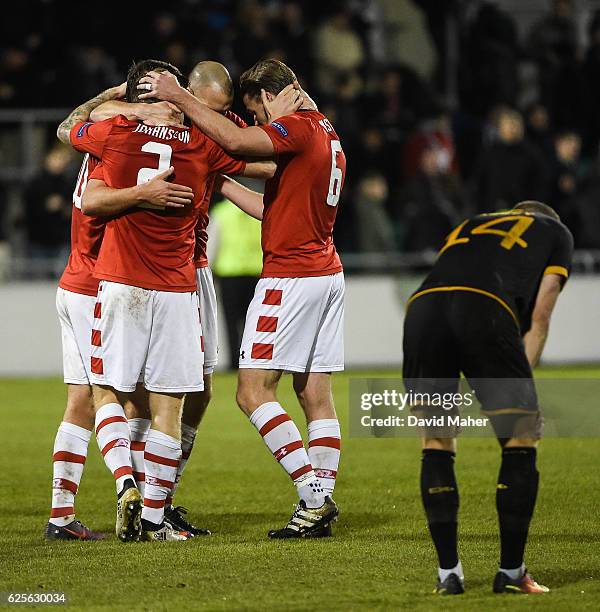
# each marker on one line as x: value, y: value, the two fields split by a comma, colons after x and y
x: 287, y: 102
x: 161, y: 85
x: 159, y: 192
x: 160, y: 113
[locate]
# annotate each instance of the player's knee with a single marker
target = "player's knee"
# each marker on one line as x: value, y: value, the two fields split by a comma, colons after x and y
x: 314, y: 394
x: 444, y: 444
x: 80, y: 406
x: 197, y: 402
x: 194, y: 407
x: 136, y: 411
x: 303, y: 396
x: 311, y: 396
x: 521, y: 430
x: 300, y: 384
x: 520, y: 443
x: 207, y: 394
x: 255, y: 389
x: 136, y: 404
x: 247, y: 400
x: 205, y: 400
x: 103, y: 395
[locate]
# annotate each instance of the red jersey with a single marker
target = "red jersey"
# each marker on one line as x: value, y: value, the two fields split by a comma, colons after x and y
x: 301, y: 199
x: 200, y: 257
x: 86, y: 238
x: 149, y: 248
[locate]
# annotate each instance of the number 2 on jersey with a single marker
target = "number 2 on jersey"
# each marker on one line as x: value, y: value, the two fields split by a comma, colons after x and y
x: 164, y: 153
x: 335, y: 179
x: 509, y: 237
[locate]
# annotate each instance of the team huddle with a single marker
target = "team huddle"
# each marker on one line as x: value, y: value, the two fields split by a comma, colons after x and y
x: 137, y: 303
x: 137, y: 308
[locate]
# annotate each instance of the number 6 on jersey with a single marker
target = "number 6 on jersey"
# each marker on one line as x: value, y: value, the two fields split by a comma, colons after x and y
x: 335, y: 179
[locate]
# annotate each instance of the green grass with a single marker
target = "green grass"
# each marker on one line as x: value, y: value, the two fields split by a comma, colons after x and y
x: 380, y: 558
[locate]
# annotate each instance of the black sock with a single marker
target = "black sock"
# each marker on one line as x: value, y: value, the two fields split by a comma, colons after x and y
x: 515, y: 500
x: 150, y: 526
x: 439, y: 493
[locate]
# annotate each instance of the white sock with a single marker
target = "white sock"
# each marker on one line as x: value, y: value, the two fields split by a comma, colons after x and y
x: 161, y: 460
x: 311, y: 492
x: 324, y: 451
x: 514, y: 574
x: 70, y: 452
x: 138, y: 430
x: 458, y: 570
x: 188, y: 435
x: 285, y: 442
x: 112, y: 433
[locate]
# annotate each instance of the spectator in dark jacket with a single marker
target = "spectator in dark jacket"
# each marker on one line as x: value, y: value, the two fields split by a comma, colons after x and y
x: 565, y: 175
x: 538, y: 129
x: 48, y: 207
x: 585, y: 218
x: 511, y: 169
x: 554, y: 47
x: 431, y: 204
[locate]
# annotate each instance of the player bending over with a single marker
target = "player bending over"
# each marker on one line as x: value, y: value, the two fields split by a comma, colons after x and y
x: 75, y: 300
x: 484, y: 310
x: 146, y: 317
x: 295, y: 320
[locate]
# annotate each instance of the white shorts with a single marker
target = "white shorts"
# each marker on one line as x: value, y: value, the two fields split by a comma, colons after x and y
x: 296, y: 325
x: 208, y: 318
x: 153, y: 333
x: 76, y: 315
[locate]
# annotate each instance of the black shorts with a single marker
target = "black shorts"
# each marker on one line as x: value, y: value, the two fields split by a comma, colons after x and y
x: 447, y: 333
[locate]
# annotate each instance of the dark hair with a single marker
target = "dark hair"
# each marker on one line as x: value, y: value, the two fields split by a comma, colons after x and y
x: 534, y: 206
x: 566, y: 133
x: 270, y: 75
x: 143, y: 67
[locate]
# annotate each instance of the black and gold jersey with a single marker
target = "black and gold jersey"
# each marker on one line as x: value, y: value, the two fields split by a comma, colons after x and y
x: 502, y: 256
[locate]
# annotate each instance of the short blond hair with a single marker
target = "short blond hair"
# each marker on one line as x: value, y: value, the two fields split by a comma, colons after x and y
x: 534, y: 206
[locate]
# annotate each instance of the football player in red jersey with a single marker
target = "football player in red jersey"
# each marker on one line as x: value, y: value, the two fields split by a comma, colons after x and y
x: 295, y: 320
x: 148, y: 284
x: 75, y: 300
x: 211, y: 83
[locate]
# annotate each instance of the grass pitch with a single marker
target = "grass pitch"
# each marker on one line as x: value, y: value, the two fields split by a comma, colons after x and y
x: 380, y: 558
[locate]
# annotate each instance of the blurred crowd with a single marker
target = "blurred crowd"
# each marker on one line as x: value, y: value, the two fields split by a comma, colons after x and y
x: 443, y: 108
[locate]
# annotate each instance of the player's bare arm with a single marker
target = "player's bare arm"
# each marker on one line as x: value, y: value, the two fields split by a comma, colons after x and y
x: 246, y: 141
x: 251, y: 202
x: 101, y: 200
x: 83, y: 111
x: 159, y: 113
x: 535, y: 338
x: 263, y: 170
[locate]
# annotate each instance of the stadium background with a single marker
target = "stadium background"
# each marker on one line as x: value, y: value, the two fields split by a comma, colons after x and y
x: 444, y: 108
